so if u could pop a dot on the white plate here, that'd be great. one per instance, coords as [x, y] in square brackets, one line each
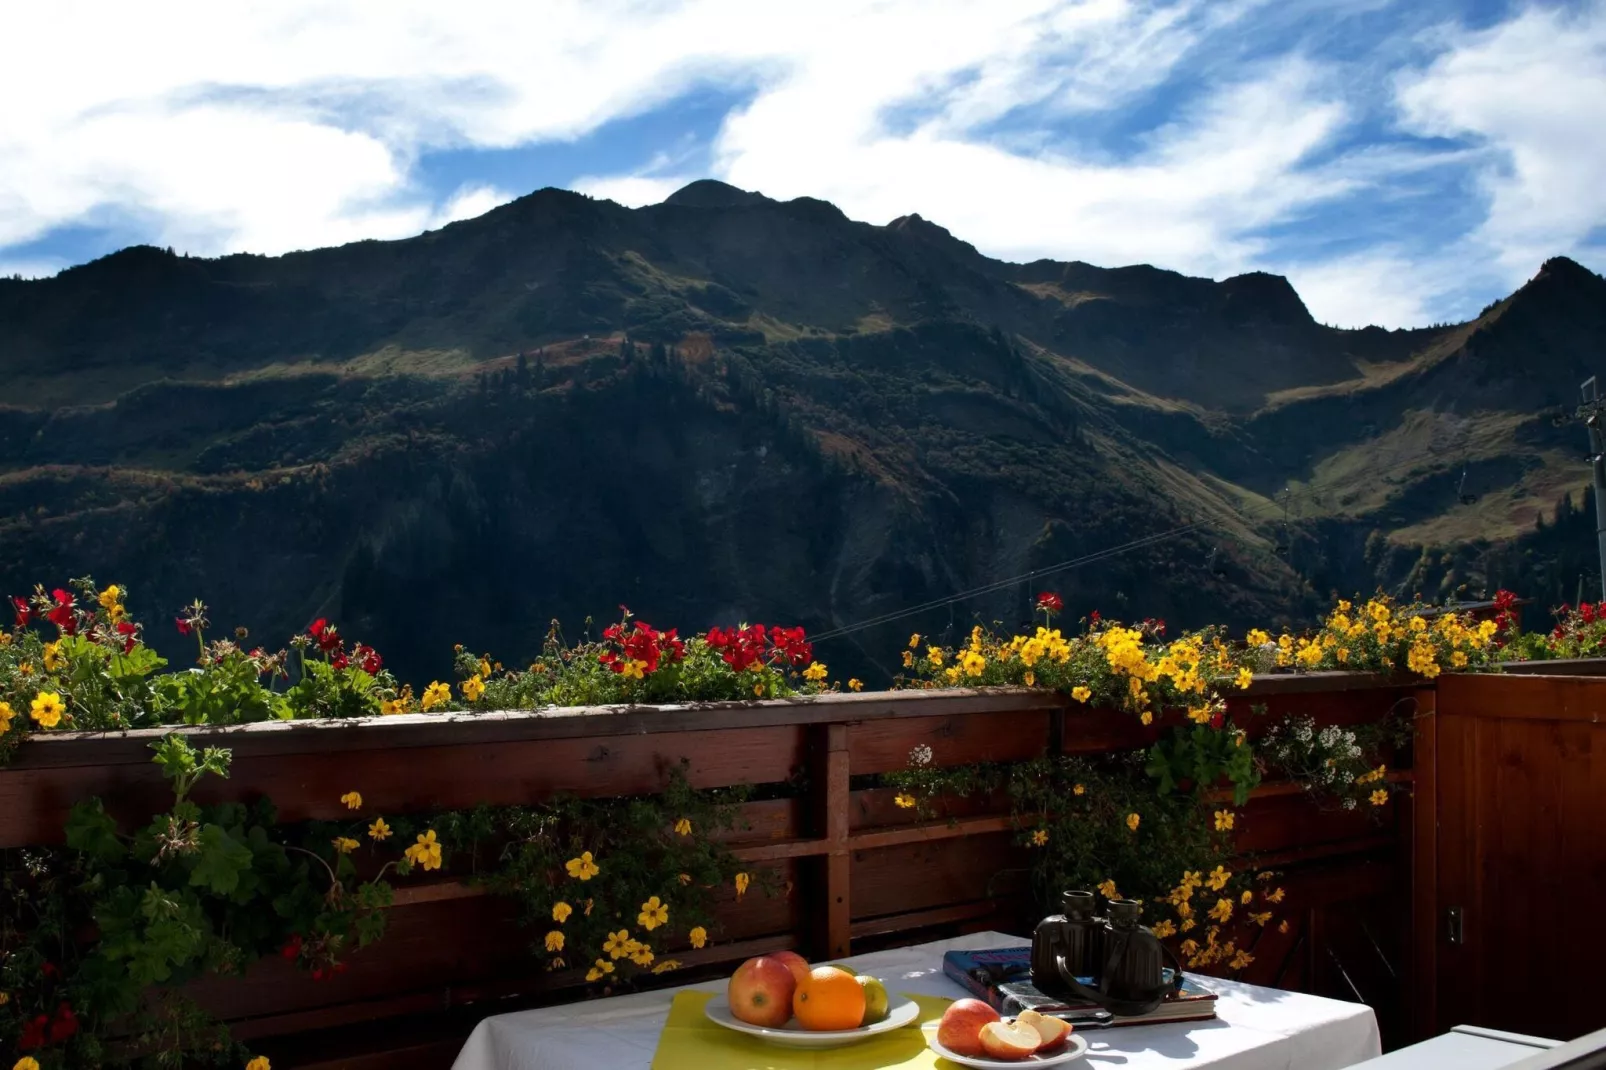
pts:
[792, 1035]
[1074, 1049]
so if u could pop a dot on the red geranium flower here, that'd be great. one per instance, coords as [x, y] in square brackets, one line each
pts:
[64, 1025]
[33, 1033]
[368, 658]
[1049, 602]
[1586, 611]
[292, 948]
[182, 625]
[128, 630]
[61, 614]
[24, 612]
[1094, 616]
[325, 635]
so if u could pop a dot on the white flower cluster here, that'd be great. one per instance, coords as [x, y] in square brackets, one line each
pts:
[920, 756]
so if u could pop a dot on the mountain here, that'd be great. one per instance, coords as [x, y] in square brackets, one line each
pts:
[726, 407]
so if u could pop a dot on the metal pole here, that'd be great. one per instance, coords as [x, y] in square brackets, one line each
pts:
[1597, 447]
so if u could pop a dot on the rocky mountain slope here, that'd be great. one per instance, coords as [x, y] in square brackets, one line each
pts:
[725, 407]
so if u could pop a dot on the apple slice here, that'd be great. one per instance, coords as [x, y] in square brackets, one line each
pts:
[1054, 1033]
[1009, 1040]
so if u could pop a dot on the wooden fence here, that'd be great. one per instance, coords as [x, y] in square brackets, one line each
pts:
[862, 872]
[1511, 860]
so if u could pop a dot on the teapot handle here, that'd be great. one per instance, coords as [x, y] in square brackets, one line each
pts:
[1126, 1007]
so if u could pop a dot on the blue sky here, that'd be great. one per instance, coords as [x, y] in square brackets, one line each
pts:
[1402, 162]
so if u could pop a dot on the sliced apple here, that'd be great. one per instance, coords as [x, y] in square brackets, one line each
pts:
[1053, 1032]
[1009, 1040]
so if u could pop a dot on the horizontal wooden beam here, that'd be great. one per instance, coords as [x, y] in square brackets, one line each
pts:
[923, 919]
[57, 749]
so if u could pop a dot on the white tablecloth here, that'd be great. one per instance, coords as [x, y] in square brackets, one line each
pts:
[1255, 1029]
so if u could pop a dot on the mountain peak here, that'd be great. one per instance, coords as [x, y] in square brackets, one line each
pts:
[1259, 295]
[712, 193]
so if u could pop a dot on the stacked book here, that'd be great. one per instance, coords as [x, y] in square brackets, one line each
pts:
[1003, 978]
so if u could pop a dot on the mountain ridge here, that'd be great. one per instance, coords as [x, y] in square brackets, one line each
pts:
[946, 419]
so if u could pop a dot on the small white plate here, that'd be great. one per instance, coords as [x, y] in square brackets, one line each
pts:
[792, 1035]
[1074, 1049]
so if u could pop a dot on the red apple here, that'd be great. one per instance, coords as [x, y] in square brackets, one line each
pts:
[760, 991]
[1052, 1031]
[1009, 1040]
[794, 962]
[961, 1025]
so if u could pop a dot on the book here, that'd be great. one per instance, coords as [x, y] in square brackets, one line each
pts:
[1003, 978]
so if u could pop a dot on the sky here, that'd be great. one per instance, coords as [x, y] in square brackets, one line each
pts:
[1403, 162]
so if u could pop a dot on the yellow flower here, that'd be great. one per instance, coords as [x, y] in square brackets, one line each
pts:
[815, 672]
[1282, 926]
[1246, 897]
[582, 868]
[391, 706]
[345, 844]
[1222, 910]
[1165, 929]
[1107, 890]
[914, 640]
[1262, 918]
[1030, 679]
[1039, 837]
[1218, 878]
[666, 965]
[1188, 924]
[973, 663]
[1146, 717]
[617, 944]
[259, 1063]
[642, 955]
[633, 670]
[1224, 820]
[352, 800]
[855, 684]
[683, 827]
[54, 658]
[1256, 637]
[653, 914]
[110, 597]
[554, 941]
[6, 714]
[1081, 693]
[485, 667]
[426, 852]
[436, 695]
[758, 690]
[1275, 897]
[1380, 796]
[1079, 789]
[47, 709]
[904, 800]
[561, 912]
[587, 910]
[698, 936]
[934, 655]
[684, 878]
[908, 659]
[1245, 678]
[597, 972]
[742, 881]
[379, 830]
[1189, 947]
[1132, 821]
[473, 688]
[25, 669]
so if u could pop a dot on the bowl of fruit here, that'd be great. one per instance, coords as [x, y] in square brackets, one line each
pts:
[973, 1034]
[782, 1000]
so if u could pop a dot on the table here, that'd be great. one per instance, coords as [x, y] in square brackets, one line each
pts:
[1255, 1029]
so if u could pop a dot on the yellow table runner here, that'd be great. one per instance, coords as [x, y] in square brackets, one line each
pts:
[691, 1042]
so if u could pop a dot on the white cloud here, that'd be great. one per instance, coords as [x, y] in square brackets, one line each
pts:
[1532, 93]
[268, 128]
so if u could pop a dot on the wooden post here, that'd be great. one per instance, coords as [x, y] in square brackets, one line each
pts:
[1423, 980]
[833, 917]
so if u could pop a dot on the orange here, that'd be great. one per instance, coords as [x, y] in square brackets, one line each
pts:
[829, 999]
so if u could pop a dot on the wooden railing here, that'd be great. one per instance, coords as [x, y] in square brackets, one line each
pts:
[861, 872]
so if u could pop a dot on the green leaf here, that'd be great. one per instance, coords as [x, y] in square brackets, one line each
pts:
[91, 830]
[220, 862]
